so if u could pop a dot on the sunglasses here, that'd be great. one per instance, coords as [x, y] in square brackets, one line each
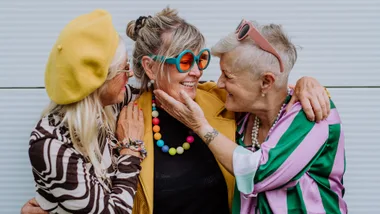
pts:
[186, 60]
[246, 28]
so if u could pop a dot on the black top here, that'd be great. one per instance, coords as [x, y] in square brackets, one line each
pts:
[188, 183]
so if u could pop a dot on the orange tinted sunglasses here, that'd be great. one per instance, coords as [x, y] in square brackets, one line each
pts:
[186, 60]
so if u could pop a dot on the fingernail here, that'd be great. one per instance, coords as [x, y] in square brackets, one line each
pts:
[135, 103]
[140, 109]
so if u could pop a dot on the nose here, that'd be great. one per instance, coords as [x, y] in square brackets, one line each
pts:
[220, 84]
[195, 71]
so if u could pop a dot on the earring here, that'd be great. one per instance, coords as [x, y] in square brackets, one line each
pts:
[150, 83]
[262, 94]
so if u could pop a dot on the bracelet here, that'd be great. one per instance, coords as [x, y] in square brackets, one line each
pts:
[133, 145]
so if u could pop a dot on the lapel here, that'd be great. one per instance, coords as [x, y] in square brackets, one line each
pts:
[146, 175]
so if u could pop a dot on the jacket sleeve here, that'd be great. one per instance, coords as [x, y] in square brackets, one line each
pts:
[65, 184]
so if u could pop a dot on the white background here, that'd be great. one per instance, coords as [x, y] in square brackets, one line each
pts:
[340, 43]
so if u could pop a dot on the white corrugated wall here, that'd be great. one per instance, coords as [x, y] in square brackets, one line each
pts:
[340, 42]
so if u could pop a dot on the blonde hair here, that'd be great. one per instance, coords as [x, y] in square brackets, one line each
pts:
[255, 59]
[87, 120]
[165, 34]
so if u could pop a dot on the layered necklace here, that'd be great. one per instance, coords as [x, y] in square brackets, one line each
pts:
[256, 125]
[158, 137]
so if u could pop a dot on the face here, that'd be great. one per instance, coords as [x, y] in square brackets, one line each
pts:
[115, 87]
[187, 82]
[242, 88]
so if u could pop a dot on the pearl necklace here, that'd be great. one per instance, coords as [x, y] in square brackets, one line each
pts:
[256, 125]
[158, 137]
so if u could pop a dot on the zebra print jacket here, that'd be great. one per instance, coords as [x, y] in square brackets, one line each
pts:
[65, 179]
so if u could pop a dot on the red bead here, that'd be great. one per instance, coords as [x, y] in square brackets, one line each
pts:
[190, 139]
[153, 101]
[155, 121]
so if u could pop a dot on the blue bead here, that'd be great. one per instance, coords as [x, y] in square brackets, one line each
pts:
[153, 108]
[165, 148]
[160, 143]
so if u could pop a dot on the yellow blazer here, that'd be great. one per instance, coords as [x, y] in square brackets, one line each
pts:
[211, 100]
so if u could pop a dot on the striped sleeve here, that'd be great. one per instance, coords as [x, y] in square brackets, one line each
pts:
[64, 183]
[287, 154]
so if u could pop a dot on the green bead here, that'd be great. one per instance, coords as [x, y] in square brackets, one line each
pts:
[172, 151]
[186, 146]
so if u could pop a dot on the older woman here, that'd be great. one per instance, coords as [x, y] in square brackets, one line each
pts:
[79, 165]
[283, 163]
[180, 174]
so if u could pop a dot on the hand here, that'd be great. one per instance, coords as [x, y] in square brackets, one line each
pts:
[32, 207]
[130, 125]
[190, 114]
[313, 97]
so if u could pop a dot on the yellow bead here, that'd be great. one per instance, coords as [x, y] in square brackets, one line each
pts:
[157, 136]
[186, 146]
[172, 151]
[156, 128]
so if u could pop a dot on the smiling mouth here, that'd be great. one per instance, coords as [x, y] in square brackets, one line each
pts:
[188, 84]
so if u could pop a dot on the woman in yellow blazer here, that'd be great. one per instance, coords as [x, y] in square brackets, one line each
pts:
[178, 176]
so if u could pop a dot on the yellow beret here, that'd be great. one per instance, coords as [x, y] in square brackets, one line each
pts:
[79, 61]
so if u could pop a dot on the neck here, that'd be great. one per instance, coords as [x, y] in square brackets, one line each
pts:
[269, 107]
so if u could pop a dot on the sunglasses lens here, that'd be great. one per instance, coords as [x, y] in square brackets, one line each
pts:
[243, 31]
[204, 59]
[186, 62]
[238, 27]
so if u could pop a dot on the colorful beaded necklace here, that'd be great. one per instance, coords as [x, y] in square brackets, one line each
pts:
[158, 137]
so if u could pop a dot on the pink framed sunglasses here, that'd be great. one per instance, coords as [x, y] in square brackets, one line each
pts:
[245, 28]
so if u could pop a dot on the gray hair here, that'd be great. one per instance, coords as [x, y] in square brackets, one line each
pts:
[165, 34]
[255, 59]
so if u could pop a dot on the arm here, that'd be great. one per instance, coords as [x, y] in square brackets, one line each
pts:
[65, 183]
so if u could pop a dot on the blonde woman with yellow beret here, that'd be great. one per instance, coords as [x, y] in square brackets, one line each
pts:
[79, 164]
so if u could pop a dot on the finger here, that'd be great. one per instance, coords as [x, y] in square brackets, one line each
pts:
[306, 106]
[129, 111]
[327, 102]
[135, 113]
[141, 115]
[123, 113]
[322, 103]
[317, 109]
[188, 101]
[34, 202]
[167, 100]
[293, 100]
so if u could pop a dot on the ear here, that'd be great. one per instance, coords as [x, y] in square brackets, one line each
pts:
[267, 82]
[147, 63]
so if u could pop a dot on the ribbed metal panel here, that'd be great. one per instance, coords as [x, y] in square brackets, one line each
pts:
[341, 47]
[19, 112]
[340, 38]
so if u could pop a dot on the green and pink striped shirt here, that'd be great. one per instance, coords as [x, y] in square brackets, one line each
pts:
[299, 168]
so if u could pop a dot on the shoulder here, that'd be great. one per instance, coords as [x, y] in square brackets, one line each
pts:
[211, 88]
[50, 128]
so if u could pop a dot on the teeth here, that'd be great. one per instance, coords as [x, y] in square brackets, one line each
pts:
[188, 84]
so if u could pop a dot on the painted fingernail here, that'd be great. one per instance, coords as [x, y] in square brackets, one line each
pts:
[135, 103]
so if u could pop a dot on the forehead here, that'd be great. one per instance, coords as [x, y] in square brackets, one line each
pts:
[228, 59]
